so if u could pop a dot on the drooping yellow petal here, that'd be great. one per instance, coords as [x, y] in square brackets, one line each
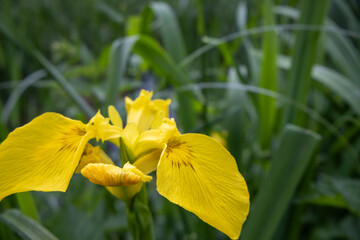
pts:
[41, 155]
[146, 113]
[108, 175]
[93, 154]
[199, 174]
[115, 117]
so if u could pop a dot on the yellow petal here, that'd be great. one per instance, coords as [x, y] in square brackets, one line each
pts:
[129, 136]
[41, 155]
[115, 117]
[199, 174]
[162, 112]
[112, 176]
[146, 113]
[148, 162]
[93, 154]
[155, 138]
[100, 128]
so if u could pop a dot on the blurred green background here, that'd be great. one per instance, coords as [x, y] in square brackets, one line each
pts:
[278, 81]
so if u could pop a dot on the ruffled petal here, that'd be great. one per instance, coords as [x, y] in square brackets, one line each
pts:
[100, 128]
[41, 155]
[199, 174]
[108, 175]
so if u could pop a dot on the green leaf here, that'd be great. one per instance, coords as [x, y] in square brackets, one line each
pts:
[339, 84]
[18, 91]
[119, 55]
[241, 15]
[24, 226]
[268, 78]
[238, 122]
[110, 12]
[54, 72]
[306, 45]
[170, 30]
[289, 163]
[27, 205]
[336, 192]
[140, 221]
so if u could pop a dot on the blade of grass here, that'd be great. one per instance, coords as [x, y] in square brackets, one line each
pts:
[170, 30]
[24, 226]
[259, 30]
[296, 149]
[3, 129]
[235, 125]
[54, 72]
[312, 13]
[268, 79]
[339, 84]
[280, 98]
[119, 54]
[27, 205]
[18, 91]
[339, 47]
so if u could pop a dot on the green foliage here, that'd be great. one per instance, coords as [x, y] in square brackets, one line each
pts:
[290, 161]
[24, 226]
[239, 69]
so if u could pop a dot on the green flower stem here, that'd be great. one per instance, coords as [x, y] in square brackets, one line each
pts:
[139, 217]
[138, 214]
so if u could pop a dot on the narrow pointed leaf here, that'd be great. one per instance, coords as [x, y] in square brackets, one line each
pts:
[25, 227]
[268, 78]
[170, 30]
[296, 148]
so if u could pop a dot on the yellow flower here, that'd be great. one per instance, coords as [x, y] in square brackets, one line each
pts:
[193, 170]
[43, 154]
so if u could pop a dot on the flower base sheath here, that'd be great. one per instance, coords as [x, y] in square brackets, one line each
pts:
[193, 171]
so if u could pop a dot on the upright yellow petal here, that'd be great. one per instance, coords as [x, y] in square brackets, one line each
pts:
[41, 155]
[199, 174]
[162, 112]
[115, 117]
[145, 113]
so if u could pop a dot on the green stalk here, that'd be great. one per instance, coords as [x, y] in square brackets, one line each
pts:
[139, 217]
[138, 214]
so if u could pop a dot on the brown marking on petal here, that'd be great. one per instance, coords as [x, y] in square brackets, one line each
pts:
[181, 153]
[71, 138]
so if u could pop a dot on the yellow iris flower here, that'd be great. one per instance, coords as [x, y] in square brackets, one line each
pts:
[193, 170]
